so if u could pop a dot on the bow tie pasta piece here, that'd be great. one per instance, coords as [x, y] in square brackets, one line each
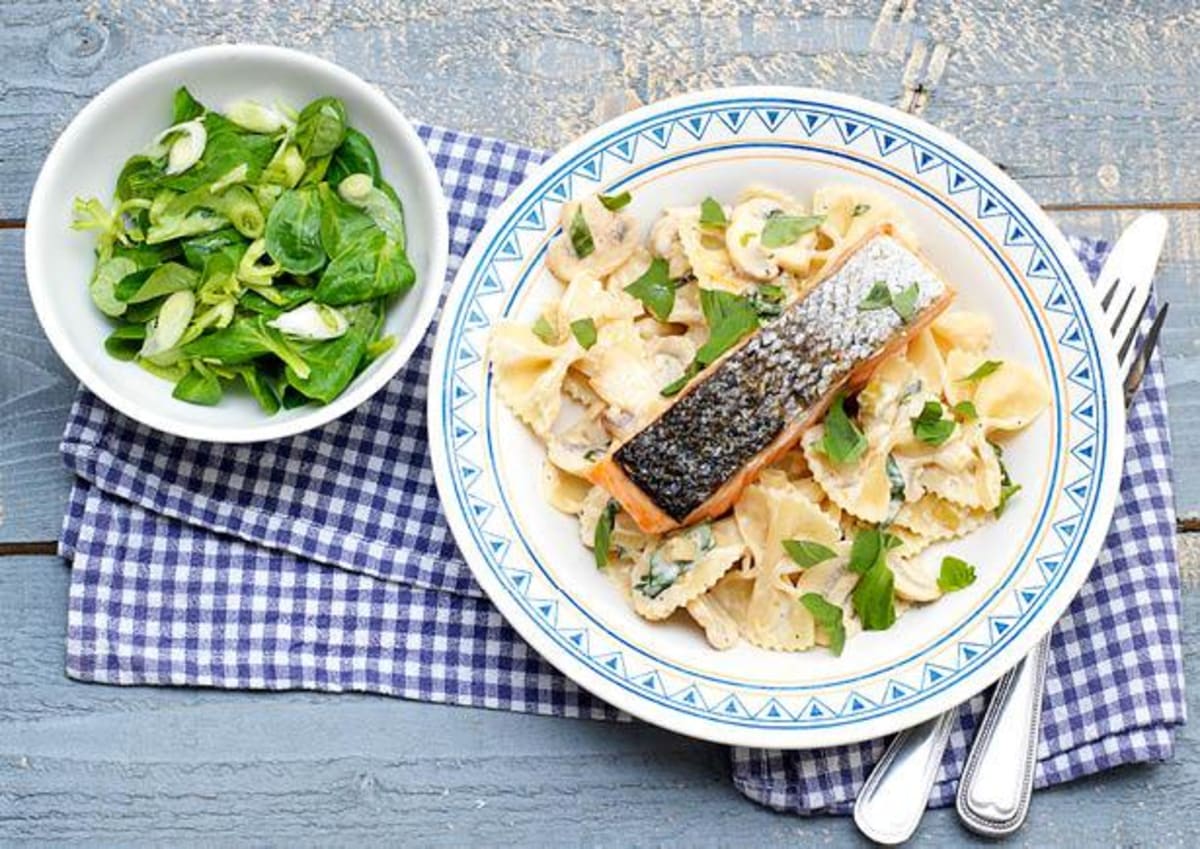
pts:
[720, 626]
[861, 488]
[966, 331]
[1007, 399]
[665, 241]
[933, 518]
[708, 257]
[964, 470]
[577, 448]
[928, 361]
[563, 491]
[530, 373]
[587, 297]
[684, 566]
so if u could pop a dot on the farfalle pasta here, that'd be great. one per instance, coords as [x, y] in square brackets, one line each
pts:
[830, 537]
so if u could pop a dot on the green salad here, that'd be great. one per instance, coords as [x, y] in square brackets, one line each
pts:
[254, 248]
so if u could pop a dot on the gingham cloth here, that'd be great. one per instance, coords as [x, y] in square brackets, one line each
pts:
[323, 562]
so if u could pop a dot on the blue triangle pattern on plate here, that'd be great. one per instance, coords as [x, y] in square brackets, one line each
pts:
[547, 609]
[816, 709]
[934, 673]
[810, 122]
[1065, 528]
[476, 317]
[895, 691]
[1082, 374]
[695, 125]
[463, 432]
[480, 508]
[1072, 337]
[856, 703]
[1039, 266]
[888, 143]
[651, 682]
[660, 135]
[732, 706]
[1085, 451]
[968, 651]
[989, 207]
[534, 219]
[771, 118]
[1014, 234]
[613, 662]
[1085, 411]
[924, 160]
[560, 190]
[1000, 625]
[1049, 565]
[590, 168]
[509, 249]
[466, 354]
[498, 545]
[579, 639]
[490, 285]
[690, 696]
[1027, 596]
[624, 149]
[460, 393]
[733, 119]
[1057, 301]
[468, 471]
[956, 181]
[519, 578]
[773, 710]
[850, 131]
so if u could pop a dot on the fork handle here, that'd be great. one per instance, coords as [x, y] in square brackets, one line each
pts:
[997, 781]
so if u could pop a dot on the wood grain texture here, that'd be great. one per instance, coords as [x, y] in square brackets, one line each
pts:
[1080, 102]
[147, 766]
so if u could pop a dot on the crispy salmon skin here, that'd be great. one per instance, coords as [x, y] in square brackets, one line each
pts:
[749, 407]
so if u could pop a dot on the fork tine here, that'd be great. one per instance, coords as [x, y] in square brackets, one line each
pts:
[1108, 296]
[1138, 370]
[1121, 313]
[1122, 363]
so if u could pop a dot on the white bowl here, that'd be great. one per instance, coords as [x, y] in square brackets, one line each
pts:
[119, 122]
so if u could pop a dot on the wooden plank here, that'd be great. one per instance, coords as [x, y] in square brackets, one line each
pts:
[35, 395]
[1081, 103]
[147, 766]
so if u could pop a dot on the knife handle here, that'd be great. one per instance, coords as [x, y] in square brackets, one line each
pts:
[997, 781]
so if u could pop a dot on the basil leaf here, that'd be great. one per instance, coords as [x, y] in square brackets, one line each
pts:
[584, 331]
[965, 410]
[870, 547]
[654, 289]
[783, 230]
[879, 298]
[767, 300]
[874, 598]
[930, 427]
[1007, 488]
[829, 617]
[730, 318]
[544, 331]
[602, 538]
[986, 368]
[712, 214]
[895, 480]
[904, 302]
[842, 442]
[955, 575]
[661, 575]
[676, 386]
[806, 553]
[860, 209]
[581, 236]
[615, 202]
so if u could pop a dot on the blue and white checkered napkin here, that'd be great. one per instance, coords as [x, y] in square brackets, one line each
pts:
[323, 562]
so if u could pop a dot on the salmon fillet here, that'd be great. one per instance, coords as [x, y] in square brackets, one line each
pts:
[748, 408]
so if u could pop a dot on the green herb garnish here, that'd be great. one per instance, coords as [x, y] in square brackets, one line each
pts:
[767, 300]
[870, 547]
[860, 209]
[895, 480]
[543, 330]
[1007, 488]
[655, 290]
[955, 575]
[930, 427]
[730, 318]
[986, 368]
[874, 598]
[676, 386]
[602, 537]
[712, 214]
[613, 203]
[806, 553]
[879, 298]
[782, 230]
[829, 617]
[965, 410]
[581, 235]
[842, 441]
[904, 302]
[584, 331]
[661, 575]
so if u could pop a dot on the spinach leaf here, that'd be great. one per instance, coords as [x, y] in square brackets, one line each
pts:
[260, 388]
[372, 266]
[294, 231]
[198, 249]
[287, 296]
[654, 289]
[103, 287]
[321, 127]
[198, 386]
[125, 342]
[355, 155]
[333, 364]
[139, 178]
[167, 278]
[147, 257]
[245, 340]
[227, 147]
[874, 598]
[184, 107]
[382, 207]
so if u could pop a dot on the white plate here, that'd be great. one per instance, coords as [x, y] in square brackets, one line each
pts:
[121, 121]
[983, 232]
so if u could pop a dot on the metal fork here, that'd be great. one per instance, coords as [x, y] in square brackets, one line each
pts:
[892, 801]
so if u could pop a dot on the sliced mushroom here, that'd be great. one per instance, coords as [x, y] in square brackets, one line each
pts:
[614, 237]
[665, 242]
[914, 579]
[743, 238]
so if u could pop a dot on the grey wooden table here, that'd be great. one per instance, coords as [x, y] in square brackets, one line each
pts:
[1092, 109]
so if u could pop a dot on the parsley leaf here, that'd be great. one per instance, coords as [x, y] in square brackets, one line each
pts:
[712, 214]
[806, 553]
[581, 235]
[730, 317]
[654, 289]
[767, 300]
[829, 617]
[676, 385]
[584, 330]
[782, 230]
[602, 538]
[965, 410]
[879, 298]
[904, 302]
[615, 202]
[955, 575]
[543, 330]
[986, 368]
[930, 427]
[874, 598]
[842, 442]
[860, 209]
